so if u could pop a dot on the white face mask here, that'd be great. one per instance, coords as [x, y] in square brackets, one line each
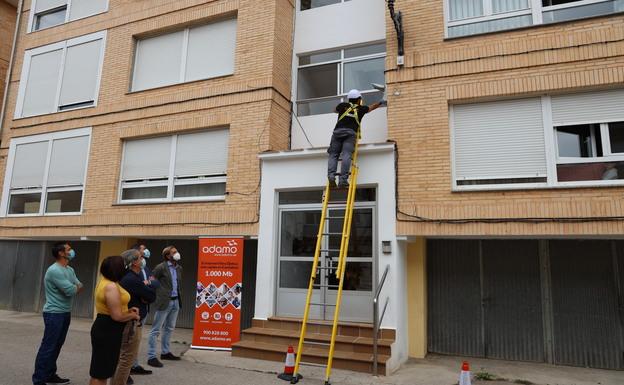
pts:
[177, 256]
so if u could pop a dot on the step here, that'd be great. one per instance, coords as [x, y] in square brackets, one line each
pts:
[360, 362]
[291, 337]
[350, 329]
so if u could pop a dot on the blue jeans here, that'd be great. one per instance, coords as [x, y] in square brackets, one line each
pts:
[56, 326]
[167, 319]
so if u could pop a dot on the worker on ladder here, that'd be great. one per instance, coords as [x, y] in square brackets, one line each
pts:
[343, 138]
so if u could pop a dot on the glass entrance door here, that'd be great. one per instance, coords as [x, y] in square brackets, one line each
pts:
[298, 229]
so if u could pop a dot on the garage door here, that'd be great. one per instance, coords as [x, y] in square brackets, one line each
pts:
[528, 300]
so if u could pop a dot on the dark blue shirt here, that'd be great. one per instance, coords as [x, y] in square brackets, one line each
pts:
[140, 294]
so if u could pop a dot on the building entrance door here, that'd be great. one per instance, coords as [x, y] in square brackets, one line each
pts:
[298, 229]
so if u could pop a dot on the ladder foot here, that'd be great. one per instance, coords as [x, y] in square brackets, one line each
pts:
[327, 383]
[294, 379]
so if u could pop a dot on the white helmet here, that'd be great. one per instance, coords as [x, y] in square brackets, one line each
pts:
[354, 94]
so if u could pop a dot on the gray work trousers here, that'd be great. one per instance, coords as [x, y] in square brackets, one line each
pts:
[342, 145]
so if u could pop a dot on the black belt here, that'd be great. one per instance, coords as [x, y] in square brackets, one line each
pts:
[172, 298]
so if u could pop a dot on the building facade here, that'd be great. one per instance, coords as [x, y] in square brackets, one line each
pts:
[488, 188]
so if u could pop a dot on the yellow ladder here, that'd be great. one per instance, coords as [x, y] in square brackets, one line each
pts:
[340, 268]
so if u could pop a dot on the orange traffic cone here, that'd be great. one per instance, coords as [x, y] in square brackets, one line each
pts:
[289, 366]
[464, 376]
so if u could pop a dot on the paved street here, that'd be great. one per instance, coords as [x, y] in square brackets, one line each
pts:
[20, 334]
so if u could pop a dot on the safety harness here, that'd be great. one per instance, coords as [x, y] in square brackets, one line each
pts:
[351, 112]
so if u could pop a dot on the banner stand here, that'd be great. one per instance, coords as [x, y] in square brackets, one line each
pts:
[218, 293]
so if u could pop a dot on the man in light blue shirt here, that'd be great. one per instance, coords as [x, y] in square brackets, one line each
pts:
[61, 286]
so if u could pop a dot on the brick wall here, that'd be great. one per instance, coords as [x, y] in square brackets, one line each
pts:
[566, 57]
[7, 28]
[253, 103]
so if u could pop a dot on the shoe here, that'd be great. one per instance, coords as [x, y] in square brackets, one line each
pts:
[332, 182]
[139, 370]
[343, 184]
[56, 380]
[130, 381]
[169, 356]
[155, 363]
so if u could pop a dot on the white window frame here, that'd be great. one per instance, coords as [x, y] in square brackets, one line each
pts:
[552, 158]
[535, 9]
[340, 92]
[50, 138]
[33, 15]
[184, 57]
[62, 45]
[170, 182]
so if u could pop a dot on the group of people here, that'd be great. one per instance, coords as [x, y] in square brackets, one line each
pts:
[123, 296]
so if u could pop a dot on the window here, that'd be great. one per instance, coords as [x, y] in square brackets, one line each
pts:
[196, 53]
[309, 4]
[324, 78]
[470, 17]
[173, 168]
[48, 13]
[61, 76]
[560, 140]
[46, 173]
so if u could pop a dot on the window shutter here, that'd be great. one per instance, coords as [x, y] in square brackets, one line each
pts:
[211, 50]
[44, 5]
[42, 83]
[146, 158]
[68, 162]
[29, 165]
[499, 140]
[203, 153]
[84, 8]
[590, 107]
[82, 63]
[158, 61]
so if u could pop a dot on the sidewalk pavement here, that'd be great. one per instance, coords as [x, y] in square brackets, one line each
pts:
[20, 334]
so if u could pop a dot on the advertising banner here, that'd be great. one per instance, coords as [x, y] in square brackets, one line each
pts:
[219, 293]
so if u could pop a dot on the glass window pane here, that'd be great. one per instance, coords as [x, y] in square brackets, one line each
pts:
[616, 134]
[309, 4]
[365, 50]
[490, 26]
[361, 74]
[589, 10]
[211, 50]
[319, 58]
[158, 61]
[50, 18]
[298, 233]
[501, 6]
[64, 202]
[574, 141]
[199, 190]
[361, 243]
[317, 107]
[318, 81]
[300, 197]
[358, 276]
[464, 9]
[295, 274]
[590, 171]
[25, 203]
[157, 192]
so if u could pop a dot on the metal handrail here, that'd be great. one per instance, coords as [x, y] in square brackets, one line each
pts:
[376, 319]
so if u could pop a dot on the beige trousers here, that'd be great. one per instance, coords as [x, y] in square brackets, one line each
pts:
[130, 342]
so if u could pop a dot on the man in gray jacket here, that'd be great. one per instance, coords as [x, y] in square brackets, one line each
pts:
[167, 304]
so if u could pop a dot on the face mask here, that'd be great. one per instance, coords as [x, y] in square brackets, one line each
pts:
[143, 263]
[177, 256]
[71, 255]
[146, 253]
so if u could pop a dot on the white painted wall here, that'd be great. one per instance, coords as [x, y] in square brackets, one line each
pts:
[306, 169]
[338, 25]
[319, 129]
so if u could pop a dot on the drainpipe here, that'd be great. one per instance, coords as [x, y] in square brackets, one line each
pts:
[5, 98]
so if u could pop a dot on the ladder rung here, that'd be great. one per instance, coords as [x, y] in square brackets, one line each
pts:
[331, 234]
[321, 304]
[325, 267]
[337, 202]
[311, 364]
[316, 343]
[334, 217]
[329, 250]
[326, 286]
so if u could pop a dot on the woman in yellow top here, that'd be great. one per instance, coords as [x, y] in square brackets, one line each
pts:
[111, 304]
